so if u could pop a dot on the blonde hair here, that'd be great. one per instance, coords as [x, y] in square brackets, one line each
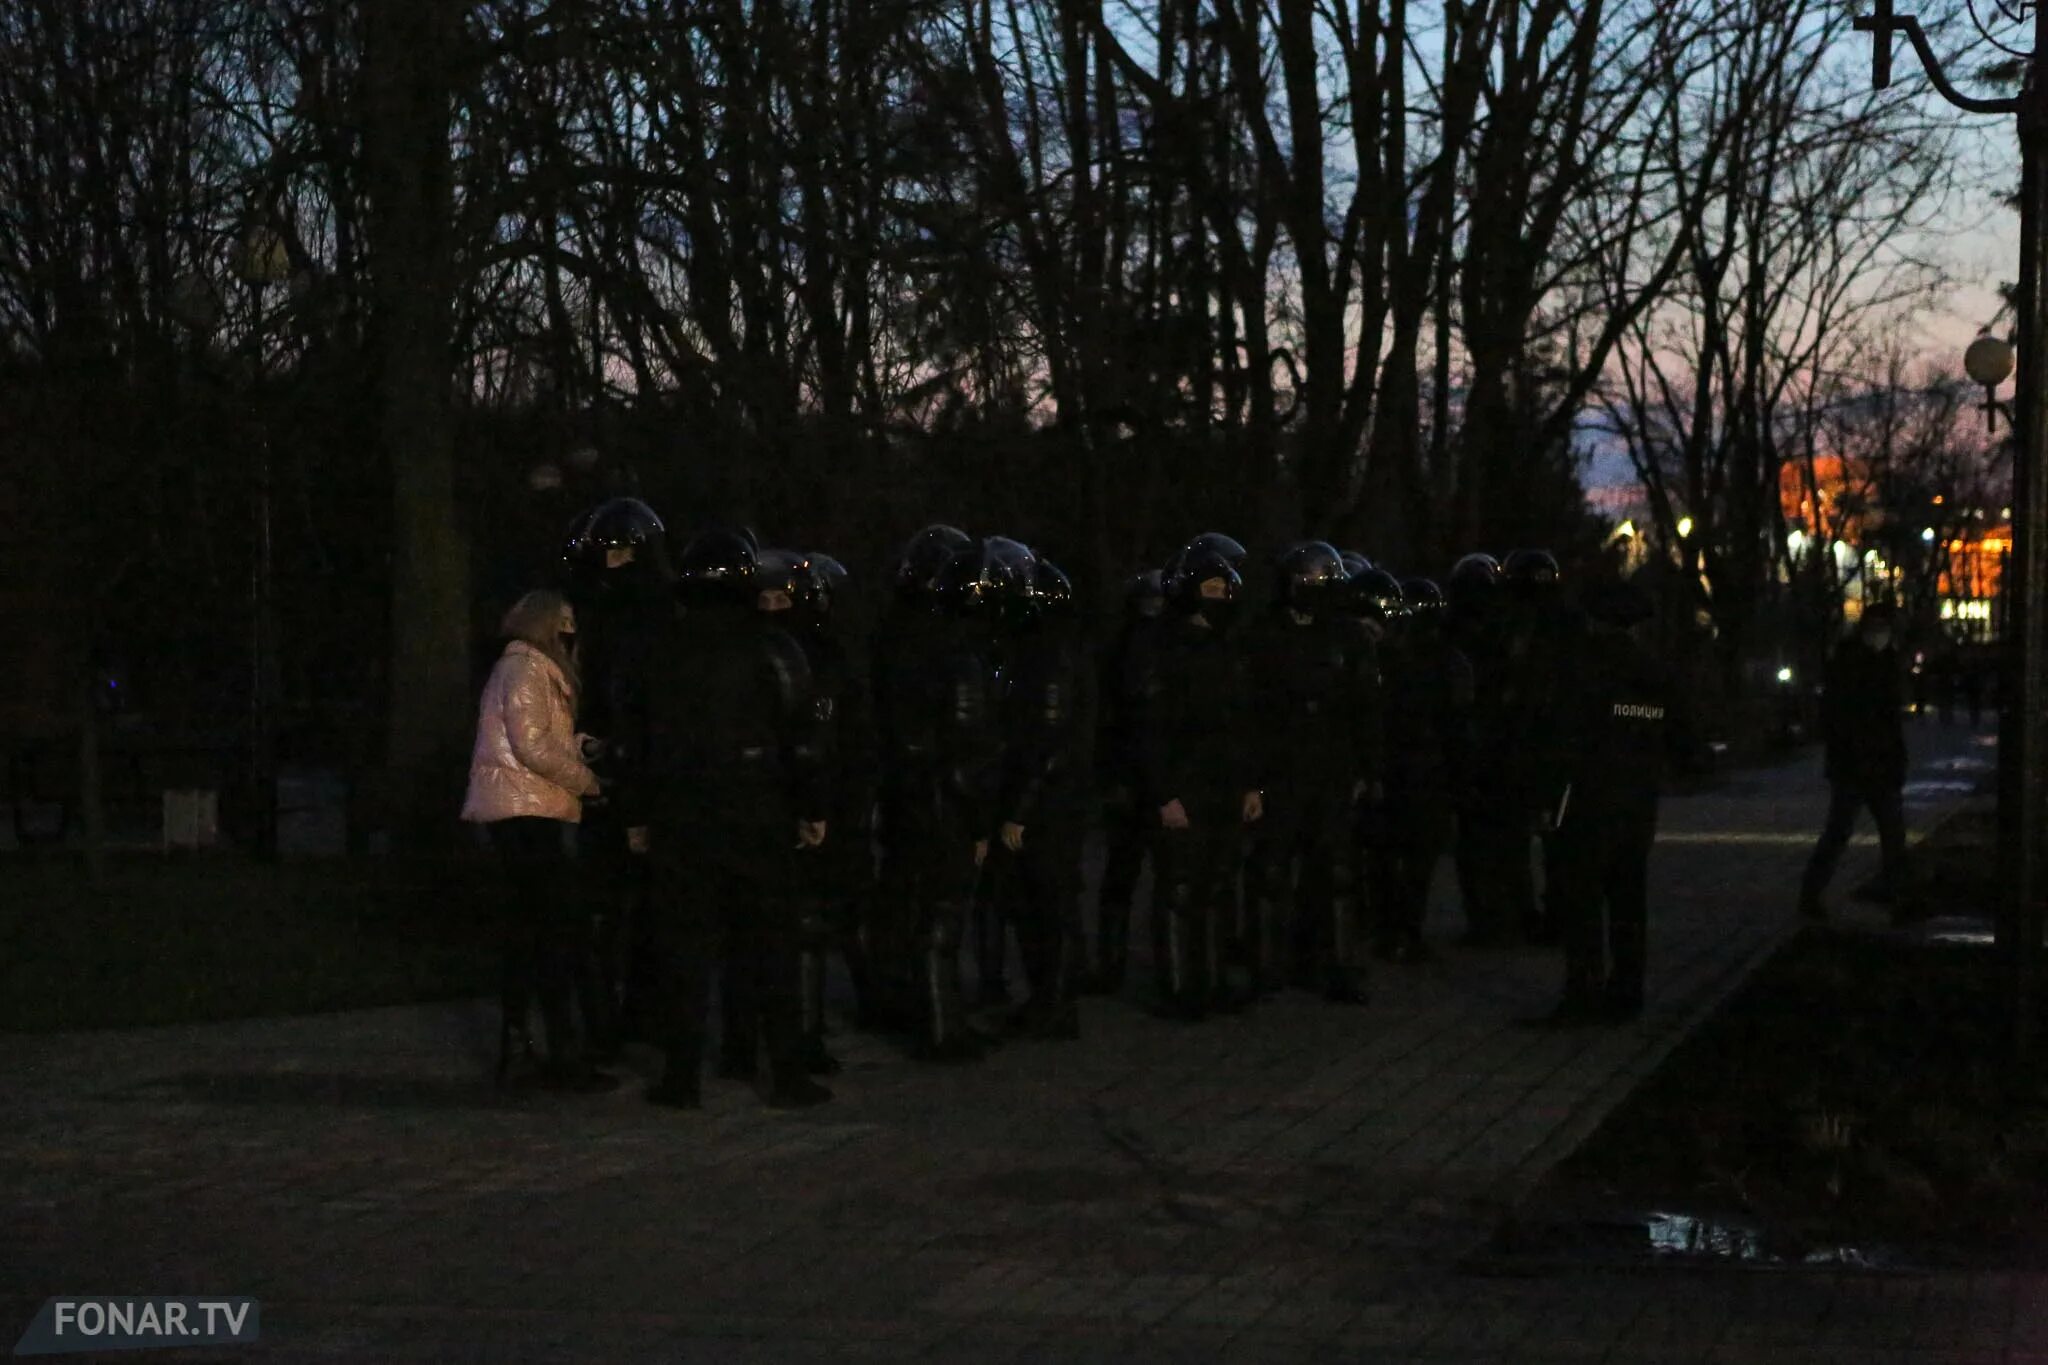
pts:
[535, 619]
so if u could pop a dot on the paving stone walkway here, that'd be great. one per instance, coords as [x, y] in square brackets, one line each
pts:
[1299, 1183]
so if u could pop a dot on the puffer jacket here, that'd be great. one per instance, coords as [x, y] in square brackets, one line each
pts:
[526, 760]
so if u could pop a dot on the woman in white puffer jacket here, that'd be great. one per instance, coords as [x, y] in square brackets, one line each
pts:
[527, 781]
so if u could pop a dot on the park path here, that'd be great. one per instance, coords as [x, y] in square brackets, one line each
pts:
[1301, 1182]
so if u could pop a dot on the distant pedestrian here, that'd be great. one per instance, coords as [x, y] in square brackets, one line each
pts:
[1862, 725]
[527, 781]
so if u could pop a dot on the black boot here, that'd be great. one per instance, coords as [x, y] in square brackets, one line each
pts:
[1112, 951]
[518, 1063]
[947, 1037]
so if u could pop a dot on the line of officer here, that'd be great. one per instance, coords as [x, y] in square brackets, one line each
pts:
[1355, 698]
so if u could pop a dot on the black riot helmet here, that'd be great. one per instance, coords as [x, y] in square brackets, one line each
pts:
[1208, 584]
[925, 556]
[1052, 592]
[1474, 582]
[717, 567]
[1013, 579]
[1354, 563]
[1221, 545]
[1531, 569]
[619, 539]
[828, 582]
[1309, 577]
[982, 582]
[1145, 594]
[1474, 571]
[782, 580]
[1424, 598]
[1377, 596]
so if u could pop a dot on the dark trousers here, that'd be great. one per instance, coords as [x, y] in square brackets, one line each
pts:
[1494, 880]
[1404, 860]
[615, 986]
[927, 882]
[1040, 890]
[1600, 864]
[710, 910]
[1308, 874]
[1193, 894]
[1844, 800]
[545, 928]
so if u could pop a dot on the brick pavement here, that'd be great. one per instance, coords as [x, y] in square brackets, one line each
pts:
[1300, 1183]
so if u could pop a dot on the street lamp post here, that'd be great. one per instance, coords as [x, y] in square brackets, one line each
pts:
[2023, 736]
[260, 262]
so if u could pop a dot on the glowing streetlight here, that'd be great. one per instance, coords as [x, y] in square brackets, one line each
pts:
[1684, 527]
[1989, 361]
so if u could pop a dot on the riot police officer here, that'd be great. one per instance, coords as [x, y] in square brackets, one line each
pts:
[727, 785]
[1494, 819]
[1429, 693]
[1015, 570]
[1188, 694]
[888, 930]
[1124, 823]
[1047, 711]
[1539, 633]
[1613, 722]
[1316, 696]
[934, 700]
[618, 580]
[797, 591]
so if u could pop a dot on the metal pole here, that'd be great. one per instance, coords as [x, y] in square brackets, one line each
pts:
[2023, 722]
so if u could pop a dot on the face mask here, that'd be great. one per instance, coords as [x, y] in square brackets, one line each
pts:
[1879, 640]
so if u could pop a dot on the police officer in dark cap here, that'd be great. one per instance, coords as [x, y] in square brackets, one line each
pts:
[1614, 721]
[1125, 826]
[727, 783]
[1189, 695]
[1047, 710]
[1429, 694]
[940, 746]
[1316, 698]
[619, 581]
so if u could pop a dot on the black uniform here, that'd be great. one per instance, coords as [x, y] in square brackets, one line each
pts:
[1047, 718]
[1428, 710]
[939, 747]
[1494, 815]
[724, 727]
[1616, 721]
[1317, 703]
[619, 614]
[838, 876]
[1189, 696]
[1126, 823]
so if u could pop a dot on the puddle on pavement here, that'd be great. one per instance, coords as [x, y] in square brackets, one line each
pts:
[1964, 933]
[1677, 1239]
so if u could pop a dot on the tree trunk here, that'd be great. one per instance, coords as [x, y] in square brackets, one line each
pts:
[409, 47]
